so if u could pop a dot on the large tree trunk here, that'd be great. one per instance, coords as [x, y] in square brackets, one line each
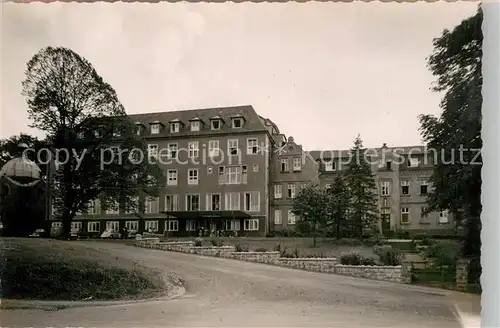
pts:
[66, 224]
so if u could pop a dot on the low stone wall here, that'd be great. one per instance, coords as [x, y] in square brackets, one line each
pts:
[326, 265]
[401, 274]
[260, 257]
[222, 251]
[386, 273]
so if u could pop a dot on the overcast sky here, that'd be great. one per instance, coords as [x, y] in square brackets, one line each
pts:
[323, 72]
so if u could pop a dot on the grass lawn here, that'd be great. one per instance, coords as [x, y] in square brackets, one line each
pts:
[47, 269]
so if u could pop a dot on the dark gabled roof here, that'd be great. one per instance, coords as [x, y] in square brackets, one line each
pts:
[253, 122]
[329, 154]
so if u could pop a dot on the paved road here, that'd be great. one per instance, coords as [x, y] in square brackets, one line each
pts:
[228, 293]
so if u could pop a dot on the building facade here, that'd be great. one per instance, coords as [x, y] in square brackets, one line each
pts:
[229, 169]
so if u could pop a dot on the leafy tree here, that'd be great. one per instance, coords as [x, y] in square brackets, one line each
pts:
[360, 183]
[309, 205]
[456, 63]
[337, 205]
[82, 114]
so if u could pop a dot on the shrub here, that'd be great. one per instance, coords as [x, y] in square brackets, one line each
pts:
[351, 258]
[368, 261]
[217, 243]
[198, 242]
[380, 249]
[390, 256]
[425, 242]
[442, 252]
[239, 248]
[261, 250]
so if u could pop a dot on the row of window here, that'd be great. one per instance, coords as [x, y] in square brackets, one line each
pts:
[278, 217]
[153, 225]
[195, 125]
[214, 150]
[406, 216]
[228, 175]
[385, 187]
[296, 164]
[213, 202]
[291, 190]
[411, 162]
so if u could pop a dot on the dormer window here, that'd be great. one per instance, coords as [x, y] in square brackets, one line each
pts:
[155, 128]
[215, 124]
[175, 127]
[195, 126]
[237, 122]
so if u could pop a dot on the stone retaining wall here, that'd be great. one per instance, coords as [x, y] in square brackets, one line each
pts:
[260, 257]
[326, 265]
[401, 274]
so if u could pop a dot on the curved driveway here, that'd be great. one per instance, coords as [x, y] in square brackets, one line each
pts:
[229, 293]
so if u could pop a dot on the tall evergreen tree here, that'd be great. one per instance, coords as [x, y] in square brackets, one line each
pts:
[456, 62]
[337, 205]
[360, 182]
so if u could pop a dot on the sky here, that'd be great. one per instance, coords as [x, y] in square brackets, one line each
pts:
[323, 72]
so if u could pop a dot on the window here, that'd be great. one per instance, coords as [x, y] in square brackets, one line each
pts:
[213, 148]
[291, 190]
[210, 170]
[422, 211]
[330, 166]
[443, 216]
[385, 188]
[232, 147]
[277, 217]
[138, 131]
[233, 225]
[255, 167]
[174, 127]
[152, 151]
[413, 162]
[232, 202]
[405, 215]
[171, 203]
[171, 225]
[132, 225]
[237, 123]
[297, 165]
[193, 149]
[232, 175]
[173, 150]
[190, 225]
[113, 225]
[213, 202]
[192, 176]
[76, 226]
[151, 226]
[328, 186]
[388, 165]
[113, 208]
[215, 124]
[252, 201]
[251, 224]
[405, 187]
[384, 202]
[278, 191]
[155, 128]
[151, 205]
[172, 177]
[423, 187]
[92, 207]
[192, 202]
[284, 165]
[252, 146]
[381, 163]
[195, 126]
[94, 226]
[57, 224]
[291, 217]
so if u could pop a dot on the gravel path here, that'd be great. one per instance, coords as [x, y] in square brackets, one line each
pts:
[229, 293]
